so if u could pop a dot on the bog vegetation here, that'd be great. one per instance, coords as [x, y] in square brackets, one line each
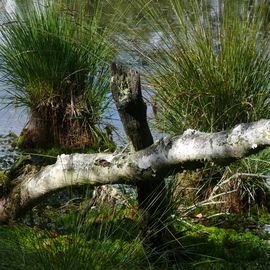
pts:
[207, 69]
[54, 62]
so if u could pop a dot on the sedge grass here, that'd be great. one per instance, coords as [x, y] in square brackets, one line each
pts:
[209, 71]
[54, 61]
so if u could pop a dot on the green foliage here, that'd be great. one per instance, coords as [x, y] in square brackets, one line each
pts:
[54, 61]
[103, 232]
[3, 178]
[227, 249]
[105, 245]
[252, 188]
[209, 71]
[50, 52]
[74, 238]
[25, 248]
[4, 183]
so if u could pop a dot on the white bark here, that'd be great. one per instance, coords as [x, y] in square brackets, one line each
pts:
[189, 150]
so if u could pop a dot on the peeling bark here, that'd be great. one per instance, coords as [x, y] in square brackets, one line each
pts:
[187, 151]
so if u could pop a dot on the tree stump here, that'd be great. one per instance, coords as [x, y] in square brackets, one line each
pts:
[152, 198]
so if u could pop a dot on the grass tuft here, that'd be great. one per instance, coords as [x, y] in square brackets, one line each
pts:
[209, 66]
[54, 61]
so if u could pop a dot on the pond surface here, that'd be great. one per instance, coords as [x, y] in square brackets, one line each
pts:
[12, 120]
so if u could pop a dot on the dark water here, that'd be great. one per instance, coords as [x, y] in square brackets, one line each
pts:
[8, 153]
[12, 122]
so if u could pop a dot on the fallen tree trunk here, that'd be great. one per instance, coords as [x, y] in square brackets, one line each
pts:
[187, 151]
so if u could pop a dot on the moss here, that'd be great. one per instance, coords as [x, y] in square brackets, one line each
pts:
[40, 249]
[4, 183]
[226, 247]
[21, 139]
[41, 156]
[110, 241]
[3, 178]
[19, 167]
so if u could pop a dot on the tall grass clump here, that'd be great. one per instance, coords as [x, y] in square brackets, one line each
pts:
[54, 62]
[210, 68]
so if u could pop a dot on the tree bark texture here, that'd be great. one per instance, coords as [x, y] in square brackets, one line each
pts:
[127, 94]
[187, 151]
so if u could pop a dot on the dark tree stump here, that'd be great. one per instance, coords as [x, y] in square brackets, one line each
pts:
[127, 94]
